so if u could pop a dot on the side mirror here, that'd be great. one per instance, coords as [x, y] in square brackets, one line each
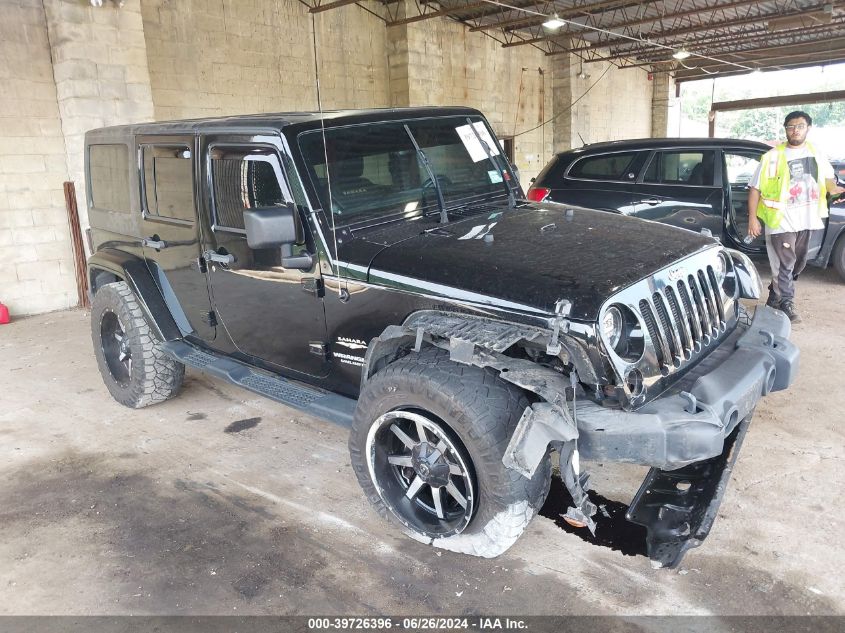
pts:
[277, 227]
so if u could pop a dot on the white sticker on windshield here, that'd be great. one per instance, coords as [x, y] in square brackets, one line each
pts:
[470, 139]
[494, 175]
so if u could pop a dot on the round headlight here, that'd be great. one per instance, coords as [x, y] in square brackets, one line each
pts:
[611, 326]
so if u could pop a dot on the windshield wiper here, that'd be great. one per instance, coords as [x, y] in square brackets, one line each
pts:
[505, 178]
[444, 217]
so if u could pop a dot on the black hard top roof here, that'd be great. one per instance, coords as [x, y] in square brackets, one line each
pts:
[652, 143]
[279, 120]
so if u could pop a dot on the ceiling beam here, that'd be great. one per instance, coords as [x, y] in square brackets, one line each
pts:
[770, 62]
[693, 46]
[758, 34]
[692, 75]
[586, 9]
[436, 14]
[765, 102]
[331, 5]
[749, 57]
[815, 46]
[686, 13]
[709, 26]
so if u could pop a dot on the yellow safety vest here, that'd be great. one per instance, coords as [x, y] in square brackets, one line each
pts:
[774, 186]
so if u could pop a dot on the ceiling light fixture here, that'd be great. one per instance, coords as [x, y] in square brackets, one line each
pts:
[681, 54]
[553, 23]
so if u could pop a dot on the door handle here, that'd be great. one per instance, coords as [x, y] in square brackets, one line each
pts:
[154, 242]
[651, 201]
[211, 256]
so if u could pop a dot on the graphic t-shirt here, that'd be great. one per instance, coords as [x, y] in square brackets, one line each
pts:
[802, 203]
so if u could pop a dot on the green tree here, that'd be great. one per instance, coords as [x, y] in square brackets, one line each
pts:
[763, 124]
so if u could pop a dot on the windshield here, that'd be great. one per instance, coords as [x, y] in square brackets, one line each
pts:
[376, 173]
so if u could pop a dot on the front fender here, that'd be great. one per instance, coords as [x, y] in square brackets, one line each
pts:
[747, 277]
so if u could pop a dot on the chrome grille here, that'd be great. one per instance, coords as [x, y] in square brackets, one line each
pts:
[683, 317]
[675, 316]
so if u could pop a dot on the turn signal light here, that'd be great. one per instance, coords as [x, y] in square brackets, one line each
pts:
[538, 194]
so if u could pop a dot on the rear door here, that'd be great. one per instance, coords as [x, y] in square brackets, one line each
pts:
[170, 231]
[270, 313]
[602, 181]
[681, 187]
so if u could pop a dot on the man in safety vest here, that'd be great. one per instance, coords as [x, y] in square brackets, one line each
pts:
[788, 194]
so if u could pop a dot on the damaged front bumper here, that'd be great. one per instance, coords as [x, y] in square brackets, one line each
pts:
[690, 436]
[691, 425]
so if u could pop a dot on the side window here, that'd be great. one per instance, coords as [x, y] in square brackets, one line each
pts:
[168, 182]
[244, 178]
[741, 168]
[605, 167]
[681, 167]
[108, 169]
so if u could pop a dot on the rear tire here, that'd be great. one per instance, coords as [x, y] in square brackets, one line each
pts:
[427, 427]
[838, 256]
[135, 370]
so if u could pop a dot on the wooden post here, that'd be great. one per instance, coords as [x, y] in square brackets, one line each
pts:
[78, 245]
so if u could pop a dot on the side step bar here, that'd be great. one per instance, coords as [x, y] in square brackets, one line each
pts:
[678, 507]
[329, 406]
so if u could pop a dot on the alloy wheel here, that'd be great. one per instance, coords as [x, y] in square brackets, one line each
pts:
[116, 348]
[421, 472]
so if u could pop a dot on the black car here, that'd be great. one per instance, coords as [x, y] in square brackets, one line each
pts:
[693, 183]
[381, 269]
[839, 169]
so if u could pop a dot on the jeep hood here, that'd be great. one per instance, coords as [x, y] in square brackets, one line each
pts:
[527, 258]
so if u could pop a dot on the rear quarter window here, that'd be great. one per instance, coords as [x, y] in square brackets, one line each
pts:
[108, 171]
[168, 182]
[604, 167]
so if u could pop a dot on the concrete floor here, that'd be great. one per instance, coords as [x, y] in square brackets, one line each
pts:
[221, 502]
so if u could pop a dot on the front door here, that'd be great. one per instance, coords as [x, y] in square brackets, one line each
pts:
[740, 166]
[270, 313]
[681, 187]
[170, 235]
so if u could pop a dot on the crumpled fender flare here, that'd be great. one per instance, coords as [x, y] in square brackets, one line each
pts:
[133, 270]
[477, 341]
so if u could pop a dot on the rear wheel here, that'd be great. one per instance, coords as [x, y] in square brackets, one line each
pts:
[135, 370]
[427, 446]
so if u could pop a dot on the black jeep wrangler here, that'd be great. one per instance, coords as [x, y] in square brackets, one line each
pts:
[382, 269]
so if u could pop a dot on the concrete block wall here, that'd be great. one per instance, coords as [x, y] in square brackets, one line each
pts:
[100, 69]
[617, 106]
[562, 86]
[36, 260]
[449, 65]
[217, 57]
[663, 91]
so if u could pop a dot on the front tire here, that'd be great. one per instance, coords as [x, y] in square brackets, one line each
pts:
[427, 444]
[135, 370]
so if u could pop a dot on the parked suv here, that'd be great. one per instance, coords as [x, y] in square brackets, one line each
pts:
[382, 269]
[693, 183]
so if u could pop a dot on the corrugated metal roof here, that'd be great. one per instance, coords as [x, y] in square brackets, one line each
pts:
[723, 37]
